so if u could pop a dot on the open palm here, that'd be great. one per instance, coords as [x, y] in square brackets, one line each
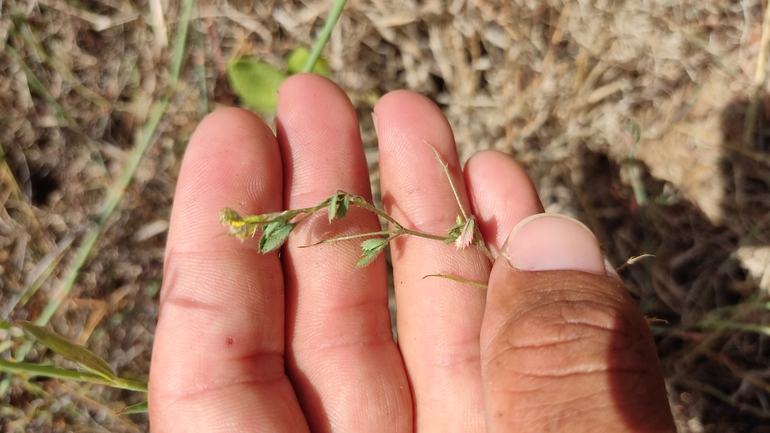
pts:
[302, 340]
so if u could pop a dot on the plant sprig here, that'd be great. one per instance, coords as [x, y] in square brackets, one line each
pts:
[274, 228]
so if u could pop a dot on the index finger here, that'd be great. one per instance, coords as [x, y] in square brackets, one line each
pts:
[218, 356]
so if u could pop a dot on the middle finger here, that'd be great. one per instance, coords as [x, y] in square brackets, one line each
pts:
[438, 320]
[341, 357]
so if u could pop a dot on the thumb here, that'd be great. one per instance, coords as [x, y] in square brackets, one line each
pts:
[563, 347]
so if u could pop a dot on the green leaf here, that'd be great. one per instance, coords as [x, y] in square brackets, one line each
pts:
[371, 248]
[366, 258]
[273, 235]
[30, 369]
[338, 205]
[342, 210]
[4, 324]
[71, 351]
[136, 408]
[373, 245]
[255, 82]
[297, 59]
[333, 206]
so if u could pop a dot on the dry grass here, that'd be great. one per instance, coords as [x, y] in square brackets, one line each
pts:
[562, 85]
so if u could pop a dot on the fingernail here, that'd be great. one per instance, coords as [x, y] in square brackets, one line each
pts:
[374, 120]
[550, 242]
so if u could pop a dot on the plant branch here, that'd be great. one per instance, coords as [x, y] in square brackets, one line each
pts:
[274, 228]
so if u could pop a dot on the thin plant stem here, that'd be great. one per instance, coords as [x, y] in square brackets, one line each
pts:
[483, 247]
[347, 238]
[398, 227]
[360, 202]
[309, 211]
[445, 167]
[458, 279]
[423, 235]
[323, 38]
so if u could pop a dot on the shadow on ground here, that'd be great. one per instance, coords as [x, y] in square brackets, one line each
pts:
[713, 344]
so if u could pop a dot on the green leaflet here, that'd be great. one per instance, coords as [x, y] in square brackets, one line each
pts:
[255, 82]
[338, 205]
[371, 248]
[297, 60]
[342, 210]
[273, 235]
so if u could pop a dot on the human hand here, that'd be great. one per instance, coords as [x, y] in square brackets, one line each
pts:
[302, 341]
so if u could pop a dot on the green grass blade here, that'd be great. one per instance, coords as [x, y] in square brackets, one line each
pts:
[136, 408]
[200, 67]
[131, 385]
[323, 38]
[70, 351]
[29, 369]
[32, 370]
[180, 43]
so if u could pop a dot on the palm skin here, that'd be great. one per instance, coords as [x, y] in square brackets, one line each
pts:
[301, 341]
